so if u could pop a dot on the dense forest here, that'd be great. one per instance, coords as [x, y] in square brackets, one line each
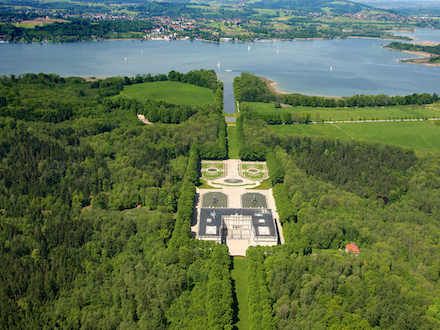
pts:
[330, 193]
[96, 208]
[89, 234]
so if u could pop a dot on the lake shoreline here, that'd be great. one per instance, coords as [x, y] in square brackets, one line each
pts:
[419, 61]
[272, 85]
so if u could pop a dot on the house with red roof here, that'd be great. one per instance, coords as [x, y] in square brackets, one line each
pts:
[352, 248]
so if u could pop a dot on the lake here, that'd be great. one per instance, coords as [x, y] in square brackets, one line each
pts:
[339, 67]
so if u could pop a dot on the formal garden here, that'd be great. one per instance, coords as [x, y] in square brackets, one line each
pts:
[213, 170]
[253, 171]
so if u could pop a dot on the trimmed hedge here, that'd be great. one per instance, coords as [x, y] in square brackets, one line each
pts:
[285, 208]
[259, 300]
[246, 152]
[220, 300]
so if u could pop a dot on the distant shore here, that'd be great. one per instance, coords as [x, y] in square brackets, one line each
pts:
[426, 55]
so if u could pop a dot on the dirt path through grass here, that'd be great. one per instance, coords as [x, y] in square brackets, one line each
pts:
[342, 130]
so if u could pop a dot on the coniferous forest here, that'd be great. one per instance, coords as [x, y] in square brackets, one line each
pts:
[96, 208]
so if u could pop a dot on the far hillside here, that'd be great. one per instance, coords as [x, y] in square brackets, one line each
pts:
[171, 92]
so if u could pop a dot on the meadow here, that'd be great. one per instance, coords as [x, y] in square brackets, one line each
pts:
[239, 276]
[421, 135]
[349, 114]
[171, 92]
[30, 24]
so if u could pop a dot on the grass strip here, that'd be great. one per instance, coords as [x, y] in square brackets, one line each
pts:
[239, 277]
[232, 143]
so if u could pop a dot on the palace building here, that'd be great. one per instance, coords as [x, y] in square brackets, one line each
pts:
[222, 224]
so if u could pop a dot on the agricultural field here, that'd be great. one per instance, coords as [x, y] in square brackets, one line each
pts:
[171, 92]
[418, 135]
[327, 130]
[349, 114]
[30, 24]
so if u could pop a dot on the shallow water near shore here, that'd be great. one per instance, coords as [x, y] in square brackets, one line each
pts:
[338, 67]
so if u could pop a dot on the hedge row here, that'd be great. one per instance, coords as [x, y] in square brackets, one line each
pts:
[220, 300]
[359, 100]
[285, 208]
[259, 301]
[185, 210]
[185, 206]
[245, 151]
[193, 167]
[219, 98]
[276, 172]
[220, 151]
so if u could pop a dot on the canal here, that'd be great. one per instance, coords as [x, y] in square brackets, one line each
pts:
[228, 97]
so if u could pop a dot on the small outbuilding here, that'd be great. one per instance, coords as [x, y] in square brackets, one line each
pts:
[352, 248]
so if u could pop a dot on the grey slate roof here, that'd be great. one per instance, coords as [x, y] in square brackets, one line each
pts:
[262, 220]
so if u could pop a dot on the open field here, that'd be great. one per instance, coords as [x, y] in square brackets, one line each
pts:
[328, 114]
[239, 277]
[418, 135]
[171, 92]
[30, 24]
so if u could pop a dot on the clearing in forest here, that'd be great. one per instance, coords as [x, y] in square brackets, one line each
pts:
[170, 92]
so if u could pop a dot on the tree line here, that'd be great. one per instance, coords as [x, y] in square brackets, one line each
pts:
[76, 30]
[246, 151]
[359, 101]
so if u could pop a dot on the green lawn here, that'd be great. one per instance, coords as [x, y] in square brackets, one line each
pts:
[318, 114]
[232, 143]
[171, 92]
[204, 185]
[418, 135]
[327, 130]
[266, 184]
[239, 276]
